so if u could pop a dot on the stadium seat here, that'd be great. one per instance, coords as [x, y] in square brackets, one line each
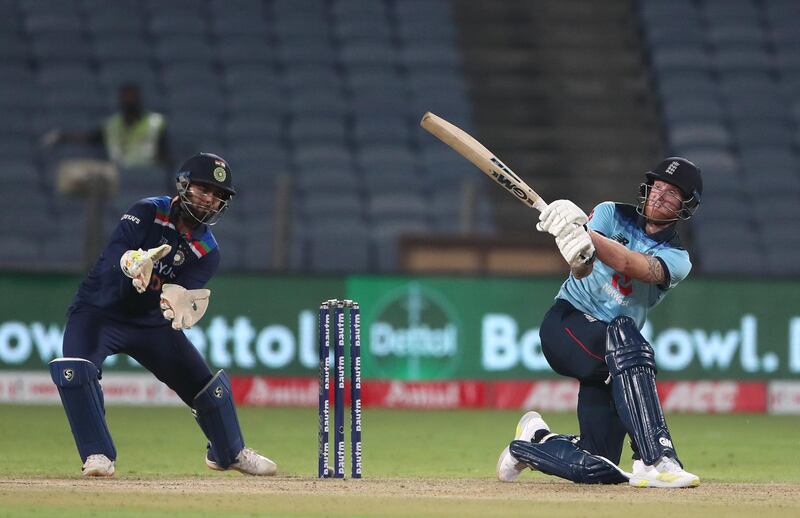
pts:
[280, 87]
[115, 23]
[338, 248]
[252, 128]
[318, 102]
[386, 236]
[254, 49]
[317, 129]
[183, 49]
[164, 24]
[121, 46]
[328, 180]
[323, 155]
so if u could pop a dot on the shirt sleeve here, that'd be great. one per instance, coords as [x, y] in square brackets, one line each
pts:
[129, 234]
[197, 274]
[601, 219]
[677, 264]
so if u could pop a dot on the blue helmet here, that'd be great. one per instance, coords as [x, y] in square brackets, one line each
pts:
[206, 169]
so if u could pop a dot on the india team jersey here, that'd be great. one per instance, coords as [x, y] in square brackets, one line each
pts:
[605, 293]
[192, 261]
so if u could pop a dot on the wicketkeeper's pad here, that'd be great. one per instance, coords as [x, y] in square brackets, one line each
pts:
[82, 398]
[215, 412]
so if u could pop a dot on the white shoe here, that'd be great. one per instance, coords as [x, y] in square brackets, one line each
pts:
[667, 473]
[508, 468]
[98, 465]
[249, 462]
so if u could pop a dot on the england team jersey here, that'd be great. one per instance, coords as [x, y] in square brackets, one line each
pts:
[605, 293]
[192, 261]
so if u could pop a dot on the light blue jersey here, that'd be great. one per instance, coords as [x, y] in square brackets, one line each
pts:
[605, 293]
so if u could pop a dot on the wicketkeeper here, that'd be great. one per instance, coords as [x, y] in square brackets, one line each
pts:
[623, 260]
[143, 291]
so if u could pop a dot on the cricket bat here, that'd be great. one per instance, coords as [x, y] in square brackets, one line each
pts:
[475, 152]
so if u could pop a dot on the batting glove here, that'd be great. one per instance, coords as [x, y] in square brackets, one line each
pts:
[561, 216]
[576, 247]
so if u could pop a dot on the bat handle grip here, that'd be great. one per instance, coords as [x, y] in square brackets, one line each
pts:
[539, 205]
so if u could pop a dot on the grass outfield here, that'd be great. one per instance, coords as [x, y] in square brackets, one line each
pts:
[415, 464]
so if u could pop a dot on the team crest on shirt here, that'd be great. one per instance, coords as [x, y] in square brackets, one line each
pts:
[179, 258]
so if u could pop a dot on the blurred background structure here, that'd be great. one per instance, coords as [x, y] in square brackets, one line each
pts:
[316, 105]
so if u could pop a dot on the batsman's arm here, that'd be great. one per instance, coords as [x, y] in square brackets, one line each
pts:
[635, 265]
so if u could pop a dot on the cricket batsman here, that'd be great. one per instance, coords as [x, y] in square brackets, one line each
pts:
[143, 291]
[623, 260]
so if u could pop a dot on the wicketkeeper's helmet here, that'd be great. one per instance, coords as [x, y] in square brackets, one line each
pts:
[207, 169]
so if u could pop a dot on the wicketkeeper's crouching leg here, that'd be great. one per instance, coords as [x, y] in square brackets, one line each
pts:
[82, 398]
[215, 412]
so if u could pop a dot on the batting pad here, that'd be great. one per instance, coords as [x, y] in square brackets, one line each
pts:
[632, 365]
[216, 414]
[560, 456]
[82, 397]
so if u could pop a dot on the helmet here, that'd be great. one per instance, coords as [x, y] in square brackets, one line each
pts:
[206, 169]
[681, 173]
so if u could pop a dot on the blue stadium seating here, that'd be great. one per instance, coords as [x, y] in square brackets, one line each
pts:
[328, 93]
[725, 73]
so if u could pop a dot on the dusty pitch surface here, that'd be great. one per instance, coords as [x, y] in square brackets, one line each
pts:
[234, 495]
[538, 490]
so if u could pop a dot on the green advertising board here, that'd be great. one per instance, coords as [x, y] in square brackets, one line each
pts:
[429, 328]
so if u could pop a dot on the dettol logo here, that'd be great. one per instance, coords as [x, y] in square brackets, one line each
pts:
[414, 335]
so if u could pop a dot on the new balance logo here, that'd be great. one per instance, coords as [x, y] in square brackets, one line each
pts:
[620, 238]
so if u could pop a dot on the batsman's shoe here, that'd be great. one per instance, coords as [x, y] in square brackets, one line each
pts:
[249, 462]
[98, 466]
[667, 473]
[509, 468]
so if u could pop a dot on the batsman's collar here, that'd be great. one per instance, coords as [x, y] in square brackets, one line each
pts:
[667, 235]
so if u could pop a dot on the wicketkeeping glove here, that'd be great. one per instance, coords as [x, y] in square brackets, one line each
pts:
[184, 307]
[138, 265]
[560, 217]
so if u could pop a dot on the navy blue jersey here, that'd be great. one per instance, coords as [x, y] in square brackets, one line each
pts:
[605, 293]
[192, 261]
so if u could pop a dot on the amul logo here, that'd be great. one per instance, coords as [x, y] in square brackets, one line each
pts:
[414, 335]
